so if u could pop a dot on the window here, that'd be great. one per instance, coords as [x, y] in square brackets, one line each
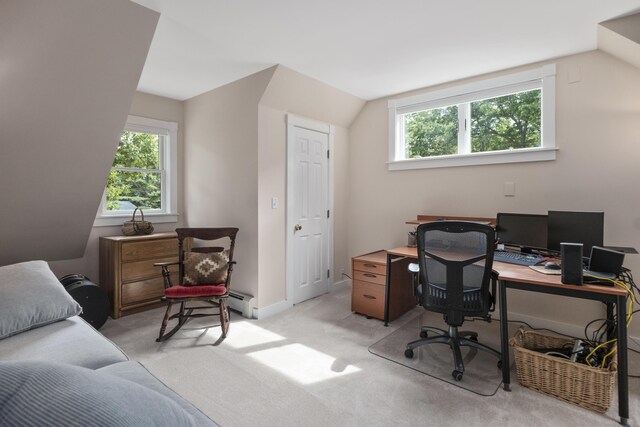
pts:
[143, 174]
[501, 120]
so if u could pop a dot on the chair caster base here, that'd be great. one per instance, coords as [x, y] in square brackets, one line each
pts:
[408, 353]
[457, 375]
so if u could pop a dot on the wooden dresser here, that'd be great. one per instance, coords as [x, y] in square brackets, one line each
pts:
[127, 273]
[369, 286]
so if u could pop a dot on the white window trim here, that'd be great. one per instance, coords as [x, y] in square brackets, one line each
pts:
[543, 77]
[169, 155]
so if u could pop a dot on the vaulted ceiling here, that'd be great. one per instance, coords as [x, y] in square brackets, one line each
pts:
[68, 73]
[368, 49]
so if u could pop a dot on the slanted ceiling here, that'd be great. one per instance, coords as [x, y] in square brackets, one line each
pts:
[621, 38]
[68, 73]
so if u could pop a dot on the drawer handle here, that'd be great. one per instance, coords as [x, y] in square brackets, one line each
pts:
[369, 275]
[371, 265]
[369, 296]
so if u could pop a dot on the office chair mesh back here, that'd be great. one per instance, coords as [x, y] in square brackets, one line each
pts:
[455, 267]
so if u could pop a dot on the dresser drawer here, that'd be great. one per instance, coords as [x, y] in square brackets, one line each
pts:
[139, 270]
[149, 249]
[368, 299]
[370, 267]
[144, 290]
[379, 279]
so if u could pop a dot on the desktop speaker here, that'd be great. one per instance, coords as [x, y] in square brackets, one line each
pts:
[571, 263]
[605, 260]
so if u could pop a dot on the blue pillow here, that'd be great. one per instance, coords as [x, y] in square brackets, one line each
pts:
[31, 296]
[58, 395]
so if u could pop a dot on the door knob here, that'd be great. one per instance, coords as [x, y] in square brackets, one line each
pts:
[297, 227]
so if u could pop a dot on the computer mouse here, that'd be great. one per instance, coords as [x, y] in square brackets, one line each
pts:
[552, 266]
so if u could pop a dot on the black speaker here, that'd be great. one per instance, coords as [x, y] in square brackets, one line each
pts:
[571, 263]
[606, 260]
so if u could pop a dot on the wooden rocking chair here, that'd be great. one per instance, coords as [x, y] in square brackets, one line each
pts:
[204, 276]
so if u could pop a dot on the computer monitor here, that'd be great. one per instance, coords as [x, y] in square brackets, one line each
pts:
[575, 227]
[525, 231]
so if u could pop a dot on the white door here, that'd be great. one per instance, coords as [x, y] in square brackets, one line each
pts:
[307, 211]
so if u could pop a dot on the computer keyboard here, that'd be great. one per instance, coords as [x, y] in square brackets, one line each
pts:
[517, 258]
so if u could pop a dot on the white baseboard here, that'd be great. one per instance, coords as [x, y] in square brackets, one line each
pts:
[340, 285]
[279, 307]
[264, 312]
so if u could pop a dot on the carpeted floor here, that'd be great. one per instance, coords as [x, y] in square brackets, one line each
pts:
[310, 366]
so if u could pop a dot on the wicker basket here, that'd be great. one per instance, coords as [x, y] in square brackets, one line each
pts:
[591, 388]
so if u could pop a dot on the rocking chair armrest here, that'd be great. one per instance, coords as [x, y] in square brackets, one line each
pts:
[165, 264]
[166, 274]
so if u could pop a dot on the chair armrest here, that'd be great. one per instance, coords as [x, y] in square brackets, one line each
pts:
[165, 264]
[166, 274]
[492, 295]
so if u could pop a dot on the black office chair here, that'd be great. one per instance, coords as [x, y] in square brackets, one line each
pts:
[455, 260]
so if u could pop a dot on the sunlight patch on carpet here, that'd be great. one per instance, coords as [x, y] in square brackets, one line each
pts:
[303, 364]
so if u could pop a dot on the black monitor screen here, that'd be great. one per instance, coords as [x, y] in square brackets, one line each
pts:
[576, 227]
[522, 230]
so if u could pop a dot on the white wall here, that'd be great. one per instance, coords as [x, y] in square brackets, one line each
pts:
[598, 135]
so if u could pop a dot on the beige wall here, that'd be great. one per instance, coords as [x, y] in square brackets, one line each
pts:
[598, 135]
[221, 168]
[235, 157]
[272, 235]
[66, 83]
[294, 93]
[144, 105]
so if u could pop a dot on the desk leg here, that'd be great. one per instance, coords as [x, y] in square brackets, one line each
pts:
[504, 337]
[610, 319]
[623, 379]
[386, 290]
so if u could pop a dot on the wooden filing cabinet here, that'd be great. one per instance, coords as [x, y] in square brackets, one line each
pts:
[369, 286]
[127, 273]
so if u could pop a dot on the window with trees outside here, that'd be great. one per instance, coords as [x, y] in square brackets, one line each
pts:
[501, 120]
[143, 174]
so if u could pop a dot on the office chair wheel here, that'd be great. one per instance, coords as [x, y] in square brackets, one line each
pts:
[424, 334]
[457, 375]
[499, 364]
[408, 353]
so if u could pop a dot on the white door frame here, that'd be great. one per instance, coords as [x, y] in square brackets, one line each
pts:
[296, 121]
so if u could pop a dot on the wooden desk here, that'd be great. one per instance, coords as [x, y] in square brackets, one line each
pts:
[420, 219]
[523, 278]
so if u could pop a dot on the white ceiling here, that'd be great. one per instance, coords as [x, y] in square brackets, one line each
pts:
[366, 48]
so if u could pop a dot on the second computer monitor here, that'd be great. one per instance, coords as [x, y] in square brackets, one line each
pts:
[525, 231]
[576, 227]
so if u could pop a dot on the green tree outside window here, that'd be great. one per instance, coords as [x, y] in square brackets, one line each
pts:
[135, 179]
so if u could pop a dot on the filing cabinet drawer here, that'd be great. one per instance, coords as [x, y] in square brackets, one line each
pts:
[368, 293]
[379, 279]
[369, 267]
[368, 299]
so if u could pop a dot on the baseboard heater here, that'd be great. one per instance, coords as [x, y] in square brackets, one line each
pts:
[241, 303]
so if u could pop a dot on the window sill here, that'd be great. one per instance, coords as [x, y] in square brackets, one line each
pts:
[111, 220]
[487, 158]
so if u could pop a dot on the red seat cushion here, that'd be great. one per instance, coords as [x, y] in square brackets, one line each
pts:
[195, 291]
